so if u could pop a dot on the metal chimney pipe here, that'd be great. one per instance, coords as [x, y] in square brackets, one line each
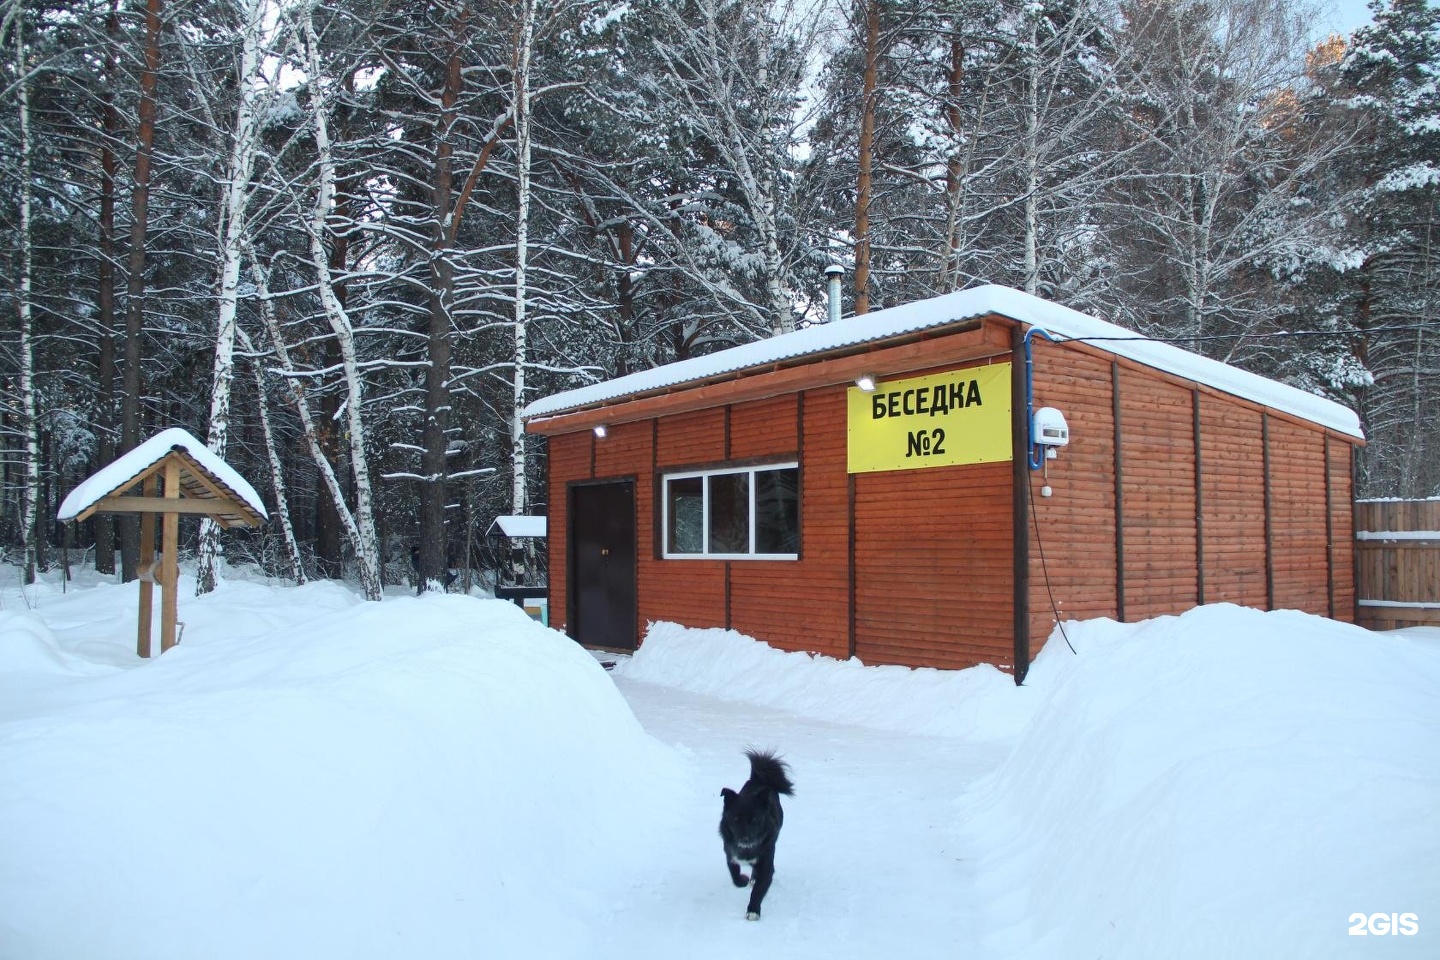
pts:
[832, 277]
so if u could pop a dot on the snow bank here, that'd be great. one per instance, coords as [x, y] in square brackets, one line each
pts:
[981, 703]
[28, 646]
[310, 775]
[306, 775]
[1224, 783]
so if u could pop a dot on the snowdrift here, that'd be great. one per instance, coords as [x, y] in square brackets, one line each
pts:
[981, 703]
[1223, 783]
[307, 775]
[1228, 782]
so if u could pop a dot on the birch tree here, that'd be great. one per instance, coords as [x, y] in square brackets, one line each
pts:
[272, 454]
[361, 526]
[1214, 189]
[244, 143]
[732, 68]
[14, 23]
[524, 42]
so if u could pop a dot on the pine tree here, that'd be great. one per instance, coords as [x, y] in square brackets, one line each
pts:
[1392, 73]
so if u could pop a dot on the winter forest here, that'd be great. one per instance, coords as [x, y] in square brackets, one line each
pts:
[344, 242]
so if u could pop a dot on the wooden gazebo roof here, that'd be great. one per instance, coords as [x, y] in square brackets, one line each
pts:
[207, 486]
[170, 474]
[201, 492]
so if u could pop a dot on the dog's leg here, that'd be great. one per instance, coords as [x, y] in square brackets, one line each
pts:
[764, 873]
[738, 878]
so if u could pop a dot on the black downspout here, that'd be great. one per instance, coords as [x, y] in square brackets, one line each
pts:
[850, 561]
[1199, 501]
[1269, 519]
[1119, 495]
[1020, 503]
[729, 621]
[1329, 534]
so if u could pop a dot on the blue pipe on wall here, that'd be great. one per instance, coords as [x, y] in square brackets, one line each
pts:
[1035, 462]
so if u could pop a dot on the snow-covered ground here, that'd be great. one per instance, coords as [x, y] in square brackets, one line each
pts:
[309, 775]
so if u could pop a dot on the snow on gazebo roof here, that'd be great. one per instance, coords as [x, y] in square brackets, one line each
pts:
[1061, 322]
[128, 469]
[518, 526]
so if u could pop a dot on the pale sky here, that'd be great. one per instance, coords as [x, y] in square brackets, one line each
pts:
[1346, 15]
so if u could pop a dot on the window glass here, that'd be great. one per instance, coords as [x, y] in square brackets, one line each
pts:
[729, 513]
[740, 512]
[686, 520]
[777, 511]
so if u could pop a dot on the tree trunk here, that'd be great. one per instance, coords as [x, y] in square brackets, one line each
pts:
[30, 456]
[436, 437]
[243, 146]
[272, 455]
[308, 426]
[367, 559]
[105, 363]
[863, 183]
[330, 529]
[519, 500]
[954, 168]
[135, 288]
[1032, 162]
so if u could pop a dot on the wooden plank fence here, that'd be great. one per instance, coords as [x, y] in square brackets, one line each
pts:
[1397, 563]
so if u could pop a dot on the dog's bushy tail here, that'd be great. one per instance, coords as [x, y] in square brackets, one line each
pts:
[770, 771]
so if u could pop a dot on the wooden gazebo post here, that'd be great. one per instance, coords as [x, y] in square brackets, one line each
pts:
[169, 554]
[147, 568]
[195, 482]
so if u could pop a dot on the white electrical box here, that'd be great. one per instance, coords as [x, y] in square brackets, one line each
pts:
[1049, 428]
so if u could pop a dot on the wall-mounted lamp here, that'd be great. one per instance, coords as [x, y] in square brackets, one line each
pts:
[866, 382]
[600, 430]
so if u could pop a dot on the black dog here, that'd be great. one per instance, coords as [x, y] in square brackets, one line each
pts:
[750, 824]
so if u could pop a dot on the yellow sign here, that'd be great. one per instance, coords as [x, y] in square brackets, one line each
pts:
[962, 416]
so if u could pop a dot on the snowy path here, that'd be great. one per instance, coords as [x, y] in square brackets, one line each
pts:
[843, 887]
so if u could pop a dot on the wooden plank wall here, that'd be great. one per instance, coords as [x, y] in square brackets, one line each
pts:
[1157, 458]
[1299, 550]
[1188, 523]
[933, 581]
[799, 604]
[929, 552]
[932, 548]
[691, 592]
[1399, 570]
[1232, 477]
[1077, 521]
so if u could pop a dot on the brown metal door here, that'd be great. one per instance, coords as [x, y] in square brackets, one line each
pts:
[602, 552]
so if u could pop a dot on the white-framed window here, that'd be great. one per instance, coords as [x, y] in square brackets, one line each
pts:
[732, 513]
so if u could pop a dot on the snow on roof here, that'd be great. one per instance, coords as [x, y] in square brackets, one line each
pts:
[1061, 322]
[131, 465]
[519, 526]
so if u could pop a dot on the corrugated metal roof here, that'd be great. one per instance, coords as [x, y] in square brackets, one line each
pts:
[1061, 322]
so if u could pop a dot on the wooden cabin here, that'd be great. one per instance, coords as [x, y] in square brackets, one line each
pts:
[937, 484]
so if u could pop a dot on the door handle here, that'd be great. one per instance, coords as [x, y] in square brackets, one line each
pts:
[604, 551]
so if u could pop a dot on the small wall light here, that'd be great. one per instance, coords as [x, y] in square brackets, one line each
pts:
[866, 382]
[600, 430]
